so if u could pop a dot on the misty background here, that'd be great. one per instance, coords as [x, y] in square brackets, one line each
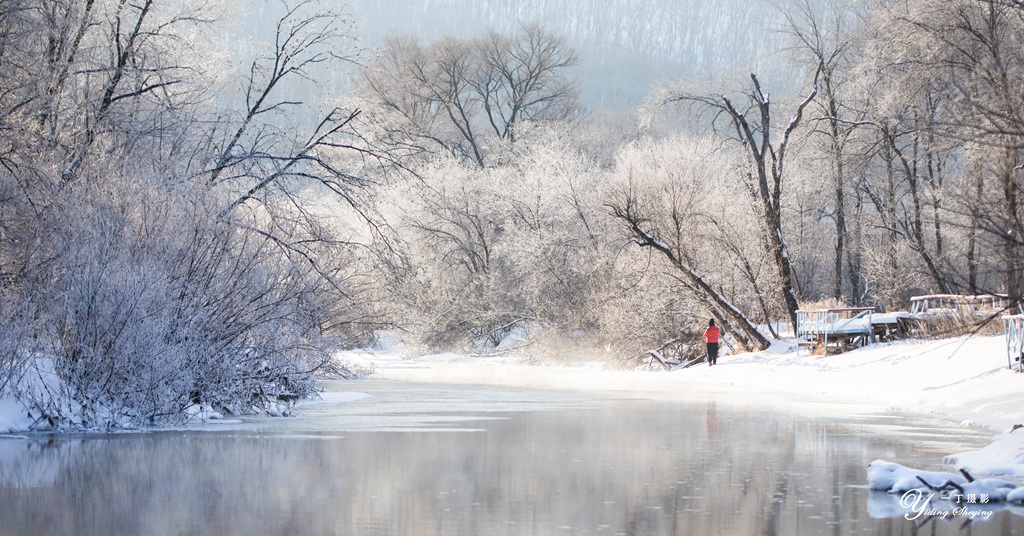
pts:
[626, 46]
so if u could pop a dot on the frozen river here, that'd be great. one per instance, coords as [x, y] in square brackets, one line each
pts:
[427, 459]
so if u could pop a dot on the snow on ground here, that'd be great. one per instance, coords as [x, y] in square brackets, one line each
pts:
[12, 417]
[964, 378]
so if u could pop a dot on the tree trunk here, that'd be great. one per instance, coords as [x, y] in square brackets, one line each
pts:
[1011, 210]
[853, 253]
[973, 231]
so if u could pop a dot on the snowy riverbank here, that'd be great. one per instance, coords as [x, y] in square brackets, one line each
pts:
[966, 379]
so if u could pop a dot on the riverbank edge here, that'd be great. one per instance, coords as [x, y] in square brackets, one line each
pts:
[965, 381]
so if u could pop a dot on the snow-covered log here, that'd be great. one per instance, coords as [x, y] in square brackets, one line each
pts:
[957, 488]
[896, 478]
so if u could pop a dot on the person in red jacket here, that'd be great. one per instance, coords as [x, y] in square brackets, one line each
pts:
[711, 337]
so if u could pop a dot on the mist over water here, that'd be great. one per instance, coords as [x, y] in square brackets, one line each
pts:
[429, 459]
[625, 46]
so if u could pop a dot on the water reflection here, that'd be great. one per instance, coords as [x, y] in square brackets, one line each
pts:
[559, 466]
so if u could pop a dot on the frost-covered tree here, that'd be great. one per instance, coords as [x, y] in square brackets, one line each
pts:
[752, 125]
[467, 98]
[824, 40]
[676, 202]
[159, 250]
[511, 249]
[942, 93]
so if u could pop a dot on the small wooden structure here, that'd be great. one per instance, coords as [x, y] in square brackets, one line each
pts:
[847, 327]
[841, 326]
[1013, 330]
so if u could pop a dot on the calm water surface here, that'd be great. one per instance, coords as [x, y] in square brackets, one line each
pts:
[420, 459]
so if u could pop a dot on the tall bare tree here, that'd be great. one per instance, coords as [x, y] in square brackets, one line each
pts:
[460, 97]
[751, 124]
[519, 78]
[825, 42]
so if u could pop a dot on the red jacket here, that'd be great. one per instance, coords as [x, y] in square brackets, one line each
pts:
[711, 334]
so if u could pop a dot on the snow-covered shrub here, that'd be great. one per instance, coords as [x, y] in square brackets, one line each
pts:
[150, 303]
[157, 252]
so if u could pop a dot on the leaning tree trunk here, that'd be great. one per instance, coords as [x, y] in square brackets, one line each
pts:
[732, 320]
